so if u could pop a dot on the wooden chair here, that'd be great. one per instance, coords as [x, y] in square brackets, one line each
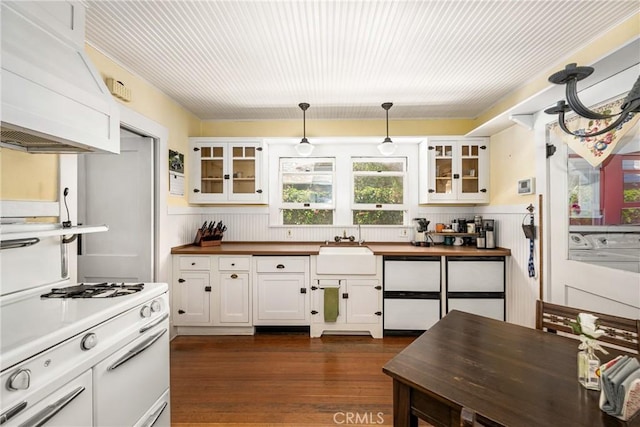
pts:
[619, 331]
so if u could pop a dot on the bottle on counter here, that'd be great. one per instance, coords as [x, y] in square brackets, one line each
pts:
[481, 239]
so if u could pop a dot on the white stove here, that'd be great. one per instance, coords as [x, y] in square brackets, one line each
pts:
[97, 359]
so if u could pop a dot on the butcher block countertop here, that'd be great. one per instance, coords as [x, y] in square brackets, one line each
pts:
[312, 248]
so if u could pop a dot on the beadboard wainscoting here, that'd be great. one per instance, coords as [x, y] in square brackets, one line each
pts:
[252, 224]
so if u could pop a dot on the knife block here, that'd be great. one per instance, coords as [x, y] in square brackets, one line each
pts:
[201, 240]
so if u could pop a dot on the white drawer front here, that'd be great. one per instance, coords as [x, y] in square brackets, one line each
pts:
[493, 308]
[232, 263]
[475, 276]
[412, 276]
[411, 314]
[282, 264]
[194, 263]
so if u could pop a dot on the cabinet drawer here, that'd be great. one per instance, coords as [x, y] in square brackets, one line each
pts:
[232, 263]
[475, 276]
[194, 263]
[282, 264]
[493, 308]
[412, 276]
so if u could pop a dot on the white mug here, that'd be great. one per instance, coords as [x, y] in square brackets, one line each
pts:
[459, 241]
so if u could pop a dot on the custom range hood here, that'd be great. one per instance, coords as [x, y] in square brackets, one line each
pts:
[53, 100]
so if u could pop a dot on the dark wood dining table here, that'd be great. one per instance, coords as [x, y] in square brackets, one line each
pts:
[504, 374]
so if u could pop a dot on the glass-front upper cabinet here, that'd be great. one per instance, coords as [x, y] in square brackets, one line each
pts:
[226, 171]
[456, 171]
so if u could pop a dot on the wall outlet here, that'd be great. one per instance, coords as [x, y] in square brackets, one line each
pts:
[404, 233]
[289, 233]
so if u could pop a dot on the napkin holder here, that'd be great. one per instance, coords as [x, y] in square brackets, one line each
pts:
[631, 405]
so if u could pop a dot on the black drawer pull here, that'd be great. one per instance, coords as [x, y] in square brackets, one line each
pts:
[181, 312]
[234, 276]
[181, 280]
[280, 266]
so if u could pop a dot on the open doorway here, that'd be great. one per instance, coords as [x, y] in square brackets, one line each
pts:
[119, 190]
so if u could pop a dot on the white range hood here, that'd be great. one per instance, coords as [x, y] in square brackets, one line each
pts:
[53, 99]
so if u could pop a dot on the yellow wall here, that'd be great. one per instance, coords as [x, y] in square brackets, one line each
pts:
[26, 176]
[512, 157]
[316, 128]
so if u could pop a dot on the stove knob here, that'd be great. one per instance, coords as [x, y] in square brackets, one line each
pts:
[89, 341]
[155, 306]
[20, 380]
[145, 311]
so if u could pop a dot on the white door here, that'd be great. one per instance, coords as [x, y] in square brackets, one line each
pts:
[117, 190]
[576, 283]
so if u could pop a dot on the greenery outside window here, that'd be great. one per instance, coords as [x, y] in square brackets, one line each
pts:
[308, 194]
[379, 191]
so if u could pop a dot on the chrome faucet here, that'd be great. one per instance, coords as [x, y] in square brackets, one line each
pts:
[360, 239]
[344, 236]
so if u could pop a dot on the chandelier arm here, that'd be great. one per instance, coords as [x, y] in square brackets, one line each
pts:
[577, 106]
[612, 126]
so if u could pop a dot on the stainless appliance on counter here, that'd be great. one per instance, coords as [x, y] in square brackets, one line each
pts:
[77, 354]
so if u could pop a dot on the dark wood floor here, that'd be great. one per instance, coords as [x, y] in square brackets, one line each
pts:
[281, 379]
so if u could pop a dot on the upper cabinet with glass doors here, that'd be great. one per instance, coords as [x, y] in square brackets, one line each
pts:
[457, 171]
[224, 171]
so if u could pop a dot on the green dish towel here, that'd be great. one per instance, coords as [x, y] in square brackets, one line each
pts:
[331, 304]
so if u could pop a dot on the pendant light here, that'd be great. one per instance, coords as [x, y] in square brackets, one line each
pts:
[387, 147]
[304, 148]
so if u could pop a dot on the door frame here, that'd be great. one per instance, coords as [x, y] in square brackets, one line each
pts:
[68, 177]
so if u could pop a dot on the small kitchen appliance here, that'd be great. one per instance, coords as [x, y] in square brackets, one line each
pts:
[489, 226]
[420, 231]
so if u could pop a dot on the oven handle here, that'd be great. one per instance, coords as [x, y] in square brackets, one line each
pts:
[153, 324]
[137, 350]
[52, 410]
[12, 412]
[154, 417]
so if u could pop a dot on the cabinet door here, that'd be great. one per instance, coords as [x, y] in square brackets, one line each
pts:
[191, 298]
[234, 299]
[245, 168]
[318, 303]
[364, 301]
[280, 299]
[473, 171]
[208, 172]
[442, 171]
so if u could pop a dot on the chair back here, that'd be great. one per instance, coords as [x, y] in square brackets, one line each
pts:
[619, 331]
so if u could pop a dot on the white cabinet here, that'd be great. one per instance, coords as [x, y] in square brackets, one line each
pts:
[231, 297]
[226, 171]
[191, 290]
[359, 302]
[454, 171]
[476, 285]
[280, 291]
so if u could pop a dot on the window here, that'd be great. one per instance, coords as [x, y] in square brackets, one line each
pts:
[379, 191]
[307, 187]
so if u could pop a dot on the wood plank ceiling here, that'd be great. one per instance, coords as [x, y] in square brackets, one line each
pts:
[256, 60]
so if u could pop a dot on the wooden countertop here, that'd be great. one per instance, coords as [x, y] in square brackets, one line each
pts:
[312, 248]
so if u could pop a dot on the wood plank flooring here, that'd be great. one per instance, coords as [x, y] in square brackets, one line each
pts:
[282, 379]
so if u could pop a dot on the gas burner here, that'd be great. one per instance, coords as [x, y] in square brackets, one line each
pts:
[100, 290]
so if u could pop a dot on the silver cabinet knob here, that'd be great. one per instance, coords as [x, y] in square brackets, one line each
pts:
[20, 380]
[155, 306]
[145, 311]
[89, 341]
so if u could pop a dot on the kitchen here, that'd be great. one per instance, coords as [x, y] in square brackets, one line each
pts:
[177, 218]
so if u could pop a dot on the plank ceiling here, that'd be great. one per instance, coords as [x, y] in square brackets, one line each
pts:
[256, 60]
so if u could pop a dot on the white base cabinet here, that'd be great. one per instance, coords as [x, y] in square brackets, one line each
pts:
[359, 303]
[281, 291]
[231, 296]
[191, 290]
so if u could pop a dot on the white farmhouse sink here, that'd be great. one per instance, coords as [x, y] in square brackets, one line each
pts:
[345, 260]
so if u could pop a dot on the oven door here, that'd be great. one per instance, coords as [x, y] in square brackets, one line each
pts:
[130, 381]
[67, 406]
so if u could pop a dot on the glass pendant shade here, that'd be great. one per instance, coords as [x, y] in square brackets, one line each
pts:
[304, 148]
[387, 147]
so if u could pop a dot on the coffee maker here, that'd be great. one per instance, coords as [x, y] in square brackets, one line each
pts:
[420, 231]
[489, 227]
